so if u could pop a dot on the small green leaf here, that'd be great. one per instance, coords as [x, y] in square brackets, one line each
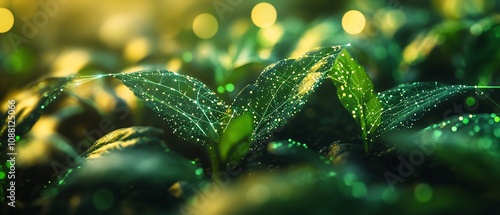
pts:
[355, 91]
[407, 103]
[235, 141]
[193, 110]
[282, 89]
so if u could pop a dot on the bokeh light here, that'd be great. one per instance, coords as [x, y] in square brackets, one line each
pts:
[103, 199]
[457, 9]
[7, 20]
[205, 26]
[353, 22]
[389, 21]
[230, 87]
[258, 194]
[268, 37]
[312, 38]
[70, 62]
[420, 47]
[423, 192]
[137, 49]
[470, 101]
[174, 64]
[264, 15]
[21, 61]
[116, 30]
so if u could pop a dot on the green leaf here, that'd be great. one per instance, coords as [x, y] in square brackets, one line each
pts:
[468, 144]
[235, 141]
[282, 89]
[31, 103]
[123, 138]
[355, 91]
[193, 110]
[128, 168]
[407, 103]
[120, 152]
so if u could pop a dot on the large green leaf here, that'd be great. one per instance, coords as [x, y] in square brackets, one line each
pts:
[355, 91]
[120, 151]
[193, 110]
[132, 176]
[283, 88]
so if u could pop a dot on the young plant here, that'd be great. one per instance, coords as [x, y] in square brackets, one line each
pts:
[355, 91]
[196, 114]
[393, 109]
[199, 116]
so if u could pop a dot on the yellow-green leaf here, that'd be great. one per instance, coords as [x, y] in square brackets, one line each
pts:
[355, 91]
[235, 141]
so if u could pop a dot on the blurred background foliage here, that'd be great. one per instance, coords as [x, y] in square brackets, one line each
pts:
[225, 44]
[398, 40]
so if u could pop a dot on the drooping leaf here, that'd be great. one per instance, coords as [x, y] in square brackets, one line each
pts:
[355, 91]
[235, 141]
[407, 103]
[30, 104]
[193, 110]
[282, 89]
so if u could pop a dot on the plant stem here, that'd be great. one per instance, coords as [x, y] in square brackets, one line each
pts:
[215, 160]
[364, 133]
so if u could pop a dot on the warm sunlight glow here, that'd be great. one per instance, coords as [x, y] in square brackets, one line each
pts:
[115, 31]
[268, 37]
[205, 26]
[174, 64]
[353, 22]
[264, 15]
[137, 49]
[7, 20]
[70, 62]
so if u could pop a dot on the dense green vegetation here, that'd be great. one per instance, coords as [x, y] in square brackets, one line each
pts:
[304, 116]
